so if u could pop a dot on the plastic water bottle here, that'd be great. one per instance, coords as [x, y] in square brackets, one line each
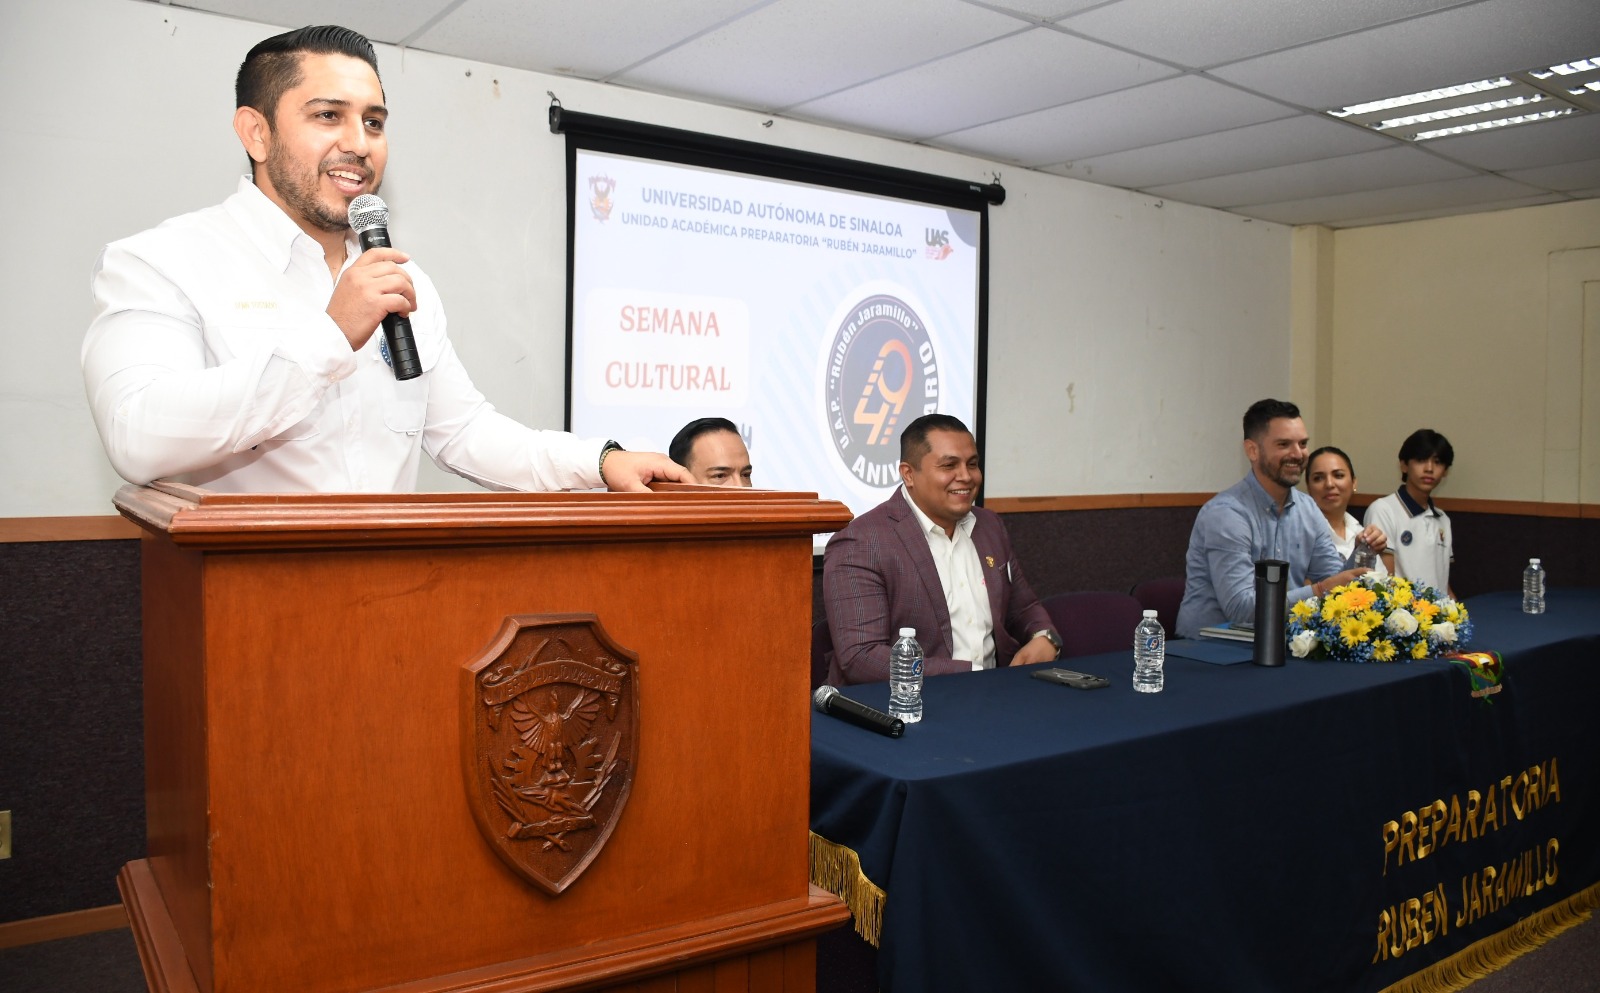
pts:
[1149, 654]
[905, 677]
[1363, 557]
[1533, 588]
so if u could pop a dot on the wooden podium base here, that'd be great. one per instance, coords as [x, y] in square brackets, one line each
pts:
[769, 949]
[331, 792]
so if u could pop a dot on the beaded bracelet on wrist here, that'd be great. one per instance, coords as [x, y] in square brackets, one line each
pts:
[606, 449]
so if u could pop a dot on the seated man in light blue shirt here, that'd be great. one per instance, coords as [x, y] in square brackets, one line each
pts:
[1262, 516]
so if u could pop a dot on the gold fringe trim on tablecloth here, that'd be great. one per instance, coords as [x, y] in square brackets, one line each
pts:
[837, 869]
[1495, 952]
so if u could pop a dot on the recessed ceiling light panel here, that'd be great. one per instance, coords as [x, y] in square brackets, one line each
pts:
[1515, 98]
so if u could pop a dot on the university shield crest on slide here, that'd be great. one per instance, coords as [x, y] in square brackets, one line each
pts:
[549, 725]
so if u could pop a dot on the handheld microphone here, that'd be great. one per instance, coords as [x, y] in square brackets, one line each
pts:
[369, 218]
[835, 704]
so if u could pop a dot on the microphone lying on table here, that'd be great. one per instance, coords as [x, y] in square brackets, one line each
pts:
[835, 704]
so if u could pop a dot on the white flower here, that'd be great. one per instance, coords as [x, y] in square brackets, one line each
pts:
[1401, 622]
[1303, 644]
[1443, 631]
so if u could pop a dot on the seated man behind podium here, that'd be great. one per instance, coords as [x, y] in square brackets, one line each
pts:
[926, 558]
[234, 346]
[713, 452]
[1262, 516]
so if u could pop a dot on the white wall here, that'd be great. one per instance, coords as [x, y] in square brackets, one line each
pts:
[1126, 335]
[1457, 324]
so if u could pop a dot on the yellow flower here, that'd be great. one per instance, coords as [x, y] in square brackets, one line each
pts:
[1420, 649]
[1402, 593]
[1425, 608]
[1372, 619]
[1383, 650]
[1352, 631]
[1302, 610]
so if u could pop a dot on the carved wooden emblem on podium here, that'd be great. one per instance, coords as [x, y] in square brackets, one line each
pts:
[550, 723]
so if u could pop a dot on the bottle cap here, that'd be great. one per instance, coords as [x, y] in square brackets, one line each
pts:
[1149, 613]
[908, 632]
[1533, 561]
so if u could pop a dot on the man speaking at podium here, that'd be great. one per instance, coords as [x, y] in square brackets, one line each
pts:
[234, 347]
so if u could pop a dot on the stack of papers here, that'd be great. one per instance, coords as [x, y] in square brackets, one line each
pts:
[1214, 652]
[1232, 632]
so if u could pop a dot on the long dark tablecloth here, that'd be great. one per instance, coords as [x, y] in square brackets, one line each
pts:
[1228, 833]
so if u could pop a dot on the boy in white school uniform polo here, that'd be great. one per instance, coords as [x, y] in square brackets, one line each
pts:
[1421, 543]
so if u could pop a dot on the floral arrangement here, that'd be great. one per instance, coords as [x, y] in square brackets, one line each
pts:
[1378, 619]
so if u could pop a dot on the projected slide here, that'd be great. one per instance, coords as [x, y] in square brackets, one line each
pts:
[819, 321]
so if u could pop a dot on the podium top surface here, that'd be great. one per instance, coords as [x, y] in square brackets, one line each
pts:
[193, 516]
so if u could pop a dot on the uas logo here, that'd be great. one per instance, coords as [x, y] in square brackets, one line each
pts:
[600, 202]
[938, 244]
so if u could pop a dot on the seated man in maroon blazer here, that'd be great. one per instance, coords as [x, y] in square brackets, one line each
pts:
[926, 558]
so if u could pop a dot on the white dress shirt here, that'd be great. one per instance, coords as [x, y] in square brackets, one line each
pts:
[965, 594]
[211, 358]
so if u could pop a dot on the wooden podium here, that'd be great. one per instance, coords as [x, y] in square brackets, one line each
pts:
[316, 815]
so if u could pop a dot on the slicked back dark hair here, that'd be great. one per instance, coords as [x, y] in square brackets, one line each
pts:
[272, 68]
[683, 442]
[1425, 444]
[1328, 450]
[914, 442]
[1264, 412]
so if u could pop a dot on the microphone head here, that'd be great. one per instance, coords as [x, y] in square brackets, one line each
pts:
[820, 698]
[368, 211]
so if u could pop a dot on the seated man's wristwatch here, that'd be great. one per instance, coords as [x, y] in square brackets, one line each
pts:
[607, 449]
[1051, 637]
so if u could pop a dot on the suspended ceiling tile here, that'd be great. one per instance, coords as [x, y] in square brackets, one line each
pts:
[386, 21]
[1003, 78]
[1568, 177]
[1422, 215]
[769, 54]
[1384, 168]
[1207, 34]
[1458, 45]
[572, 39]
[792, 51]
[1144, 115]
[1526, 146]
[1048, 10]
[1450, 193]
[1254, 146]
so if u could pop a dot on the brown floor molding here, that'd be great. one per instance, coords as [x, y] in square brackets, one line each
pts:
[69, 925]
